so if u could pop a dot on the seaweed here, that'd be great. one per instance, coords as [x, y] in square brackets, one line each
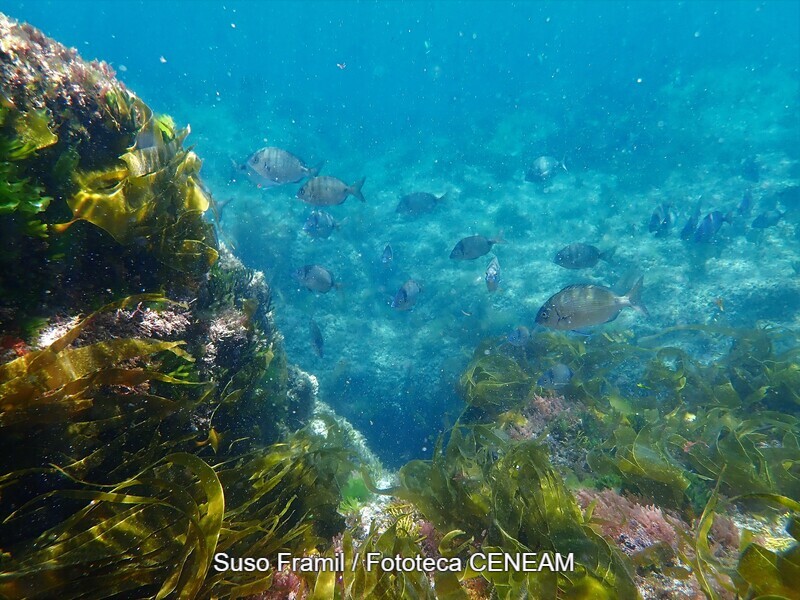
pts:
[21, 136]
[507, 495]
[493, 383]
[361, 582]
[153, 196]
[76, 146]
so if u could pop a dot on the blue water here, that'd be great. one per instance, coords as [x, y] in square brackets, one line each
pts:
[648, 102]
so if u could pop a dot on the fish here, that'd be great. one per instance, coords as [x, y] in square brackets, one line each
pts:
[662, 220]
[388, 255]
[320, 224]
[709, 226]
[315, 278]
[586, 305]
[406, 296]
[474, 247]
[329, 191]
[317, 341]
[555, 377]
[271, 167]
[746, 204]
[519, 336]
[581, 256]
[768, 219]
[751, 170]
[418, 203]
[493, 275]
[691, 224]
[543, 169]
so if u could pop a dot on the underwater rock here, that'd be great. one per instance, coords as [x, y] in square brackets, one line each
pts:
[184, 393]
[99, 197]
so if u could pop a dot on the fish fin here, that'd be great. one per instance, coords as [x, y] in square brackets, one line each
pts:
[564, 162]
[220, 206]
[442, 198]
[355, 189]
[314, 171]
[585, 332]
[608, 255]
[634, 297]
[499, 239]
[240, 167]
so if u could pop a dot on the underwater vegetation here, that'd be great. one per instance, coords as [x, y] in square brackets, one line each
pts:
[77, 147]
[659, 424]
[161, 426]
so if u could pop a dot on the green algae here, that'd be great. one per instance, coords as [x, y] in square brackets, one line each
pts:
[21, 198]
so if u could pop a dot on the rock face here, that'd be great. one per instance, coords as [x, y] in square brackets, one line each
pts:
[98, 197]
[99, 200]
[135, 351]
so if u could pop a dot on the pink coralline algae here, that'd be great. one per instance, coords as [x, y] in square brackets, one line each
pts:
[632, 526]
[39, 73]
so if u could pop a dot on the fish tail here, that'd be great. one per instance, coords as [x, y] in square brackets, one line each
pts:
[314, 171]
[499, 239]
[220, 206]
[355, 189]
[608, 255]
[634, 298]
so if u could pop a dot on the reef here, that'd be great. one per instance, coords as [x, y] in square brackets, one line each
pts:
[149, 418]
[148, 414]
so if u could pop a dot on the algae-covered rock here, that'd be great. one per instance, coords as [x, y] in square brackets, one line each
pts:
[147, 410]
[98, 196]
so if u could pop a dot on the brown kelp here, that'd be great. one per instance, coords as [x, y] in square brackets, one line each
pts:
[505, 497]
[661, 423]
[117, 493]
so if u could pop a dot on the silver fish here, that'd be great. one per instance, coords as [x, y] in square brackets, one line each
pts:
[555, 377]
[579, 306]
[519, 336]
[315, 278]
[270, 167]
[320, 224]
[329, 191]
[543, 169]
[493, 275]
[406, 296]
[317, 341]
[388, 255]
[768, 219]
[418, 203]
[474, 247]
[581, 256]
